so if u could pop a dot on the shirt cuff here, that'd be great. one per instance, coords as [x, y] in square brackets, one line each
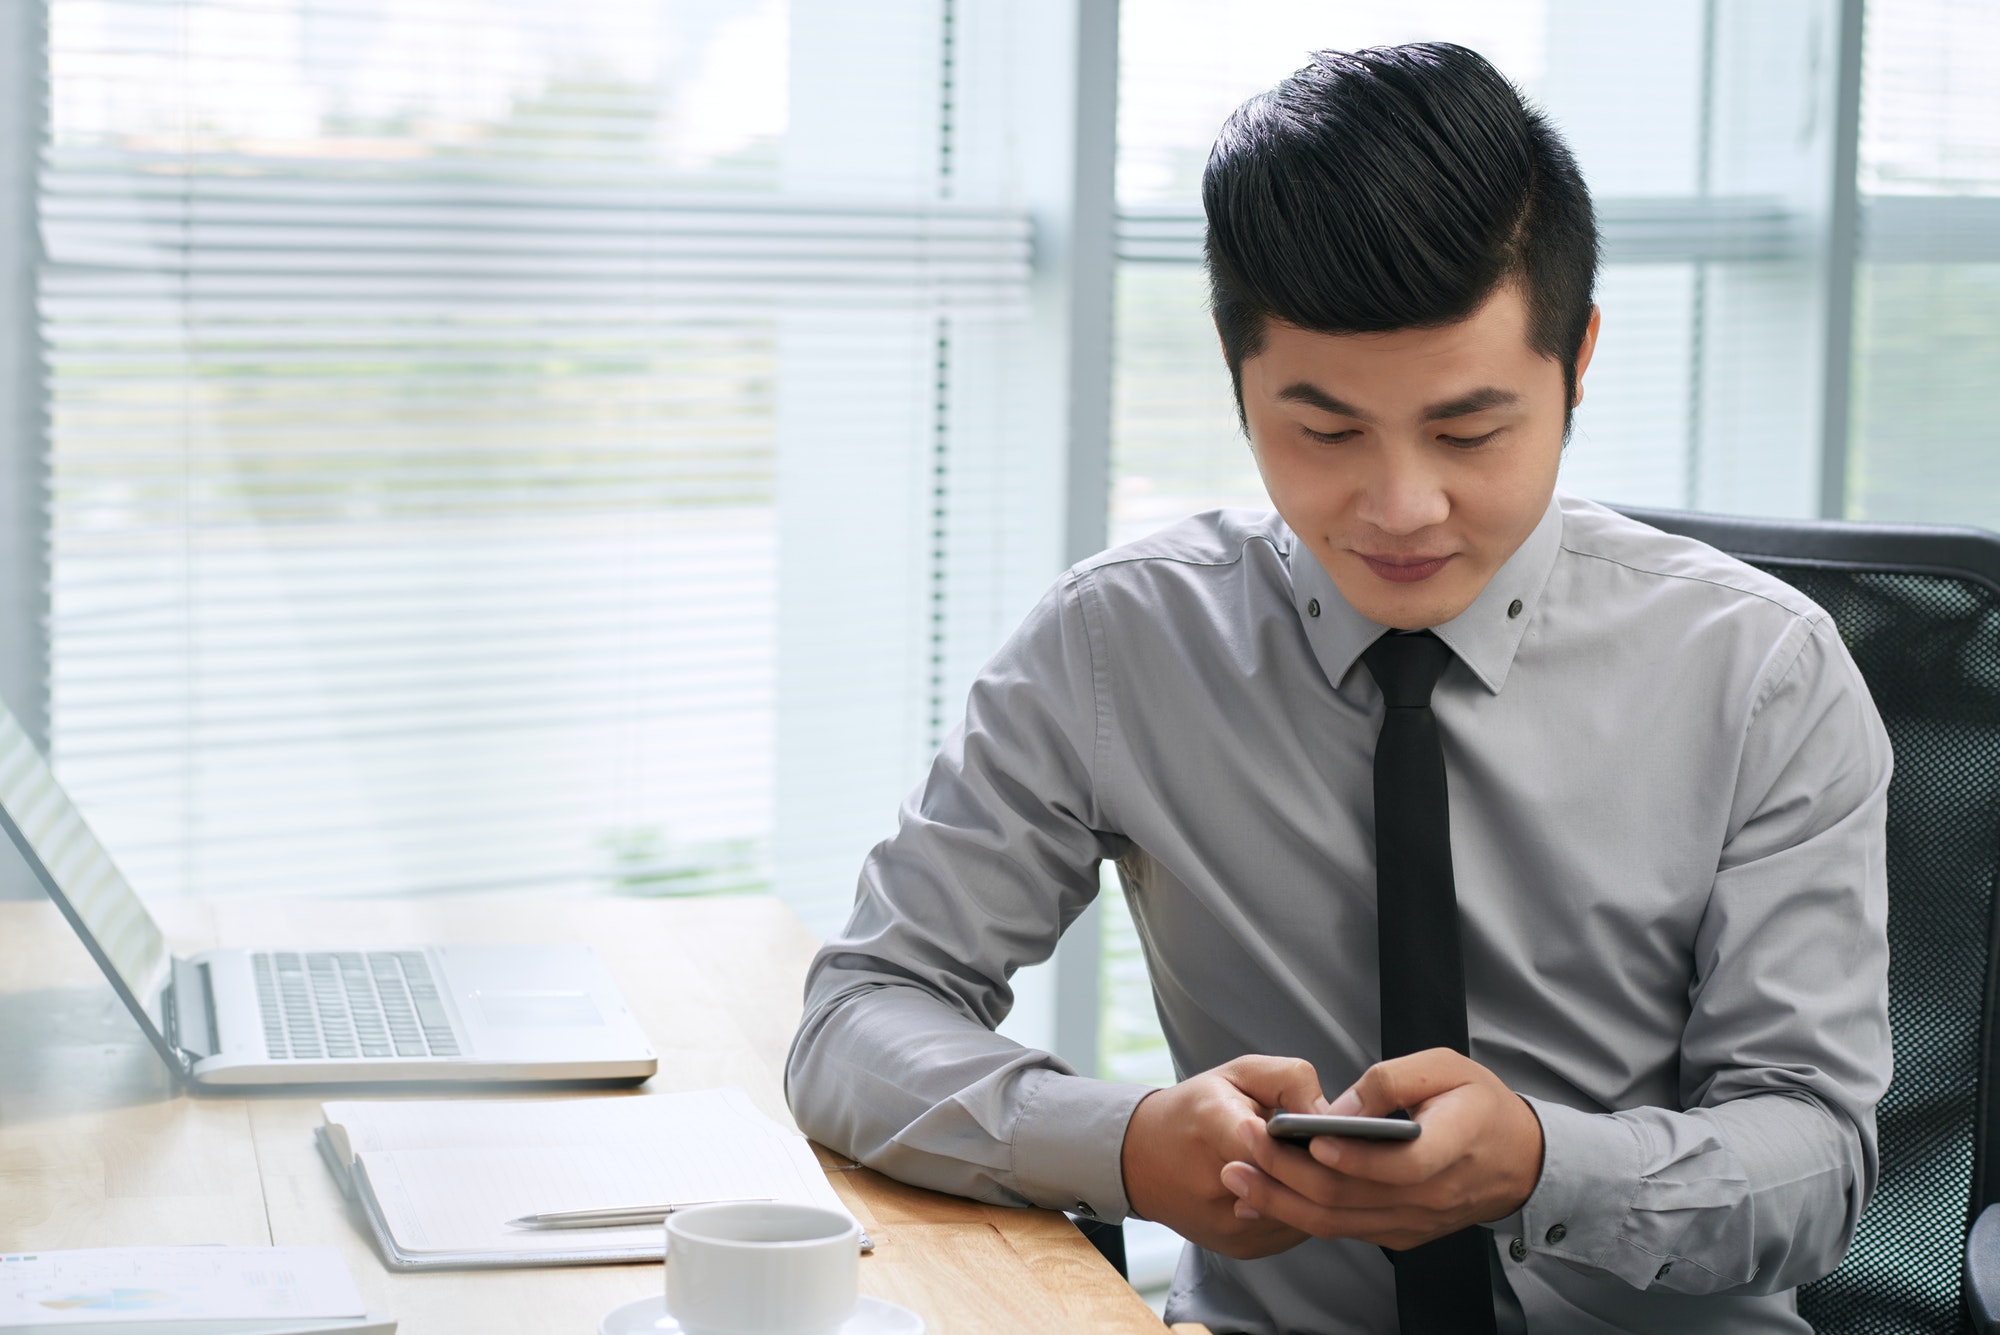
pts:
[1579, 1210]
[1069, 1140]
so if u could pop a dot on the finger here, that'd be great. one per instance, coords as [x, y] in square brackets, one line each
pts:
[1288, 1163]
[1336, 1190]
[1457, 1126]
[1399, 1164]
[1410, 1082]
[1277, 1082]
[1385, 1219]
[1272, 1199]
[1453, 1122]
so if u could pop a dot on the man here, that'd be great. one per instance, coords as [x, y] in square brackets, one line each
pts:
[1621, 946]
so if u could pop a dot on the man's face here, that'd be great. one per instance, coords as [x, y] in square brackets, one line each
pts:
[1412, 463]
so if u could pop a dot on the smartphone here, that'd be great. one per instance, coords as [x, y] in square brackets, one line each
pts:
[1304, 1126]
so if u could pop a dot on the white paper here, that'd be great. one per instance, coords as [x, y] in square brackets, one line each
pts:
[139, 1284]
[449, 1176]
[416, 1124]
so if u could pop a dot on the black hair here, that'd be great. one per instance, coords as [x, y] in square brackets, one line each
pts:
[1395, 188]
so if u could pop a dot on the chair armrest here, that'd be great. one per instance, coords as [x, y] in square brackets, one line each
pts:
[1982, 1272]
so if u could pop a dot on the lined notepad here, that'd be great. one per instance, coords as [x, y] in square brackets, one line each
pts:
[436, 1180]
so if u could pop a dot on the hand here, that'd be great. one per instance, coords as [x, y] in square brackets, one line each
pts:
[1478, 1159]
[1180, 1138]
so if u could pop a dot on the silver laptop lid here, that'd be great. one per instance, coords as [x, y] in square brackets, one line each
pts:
[79, 875]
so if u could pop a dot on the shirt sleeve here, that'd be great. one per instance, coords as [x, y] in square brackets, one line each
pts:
[896, 1062]
[1758, 1184]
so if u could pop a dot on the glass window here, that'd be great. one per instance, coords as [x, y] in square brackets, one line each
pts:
[521, 444]
[1927, 299]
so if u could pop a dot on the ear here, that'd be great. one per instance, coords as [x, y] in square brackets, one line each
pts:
[1584, 351]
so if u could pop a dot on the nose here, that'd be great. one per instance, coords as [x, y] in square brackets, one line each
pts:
[1402, 495]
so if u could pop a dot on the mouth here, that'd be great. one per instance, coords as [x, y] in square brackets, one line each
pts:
[1404, 569]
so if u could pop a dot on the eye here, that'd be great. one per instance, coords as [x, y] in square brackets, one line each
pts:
[1469, 442]
[1328, 437]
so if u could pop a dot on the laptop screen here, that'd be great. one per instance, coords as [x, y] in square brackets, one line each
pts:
[77, 871]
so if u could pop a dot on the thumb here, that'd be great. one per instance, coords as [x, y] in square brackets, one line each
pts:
[1277, 1082]
[1406, 1083]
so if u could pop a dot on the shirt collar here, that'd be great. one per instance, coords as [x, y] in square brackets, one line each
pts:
[1483, 636]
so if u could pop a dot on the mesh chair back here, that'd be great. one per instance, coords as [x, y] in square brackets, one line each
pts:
[1920, 611]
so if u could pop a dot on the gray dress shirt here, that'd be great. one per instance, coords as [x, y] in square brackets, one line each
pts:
[1667, 790]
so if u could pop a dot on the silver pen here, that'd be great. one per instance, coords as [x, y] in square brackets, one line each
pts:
[626, 1216]
[620, 1216]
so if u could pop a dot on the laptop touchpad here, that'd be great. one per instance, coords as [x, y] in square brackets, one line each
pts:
[520, 1010]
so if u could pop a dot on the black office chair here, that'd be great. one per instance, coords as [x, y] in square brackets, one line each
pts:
[1919, 609]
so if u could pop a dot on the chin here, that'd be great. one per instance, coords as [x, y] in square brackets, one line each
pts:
[1417, 606]
[1410, 613]
[1406, 620]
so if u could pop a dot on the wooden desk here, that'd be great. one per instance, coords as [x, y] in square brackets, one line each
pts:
[98, 1149]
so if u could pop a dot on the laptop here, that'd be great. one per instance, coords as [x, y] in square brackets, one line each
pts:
[312, 1015]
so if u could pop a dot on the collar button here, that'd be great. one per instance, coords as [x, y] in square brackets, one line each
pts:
[1513, 609]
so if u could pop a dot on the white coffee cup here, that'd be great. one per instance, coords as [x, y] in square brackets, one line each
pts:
[761, 1268]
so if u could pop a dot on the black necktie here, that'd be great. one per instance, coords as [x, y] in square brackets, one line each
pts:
[1442, 1287]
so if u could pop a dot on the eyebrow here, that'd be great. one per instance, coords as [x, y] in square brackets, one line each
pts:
[1479, 400]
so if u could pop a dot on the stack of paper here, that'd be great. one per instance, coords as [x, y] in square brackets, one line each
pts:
[437, 1181]
[186, 1290]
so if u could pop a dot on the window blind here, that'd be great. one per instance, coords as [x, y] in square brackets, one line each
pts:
[1927, 327]
[416, 441]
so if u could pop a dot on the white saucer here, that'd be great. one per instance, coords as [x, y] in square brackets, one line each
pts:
[871, 1316]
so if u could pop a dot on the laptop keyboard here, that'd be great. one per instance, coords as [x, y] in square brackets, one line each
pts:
[350, 1003]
